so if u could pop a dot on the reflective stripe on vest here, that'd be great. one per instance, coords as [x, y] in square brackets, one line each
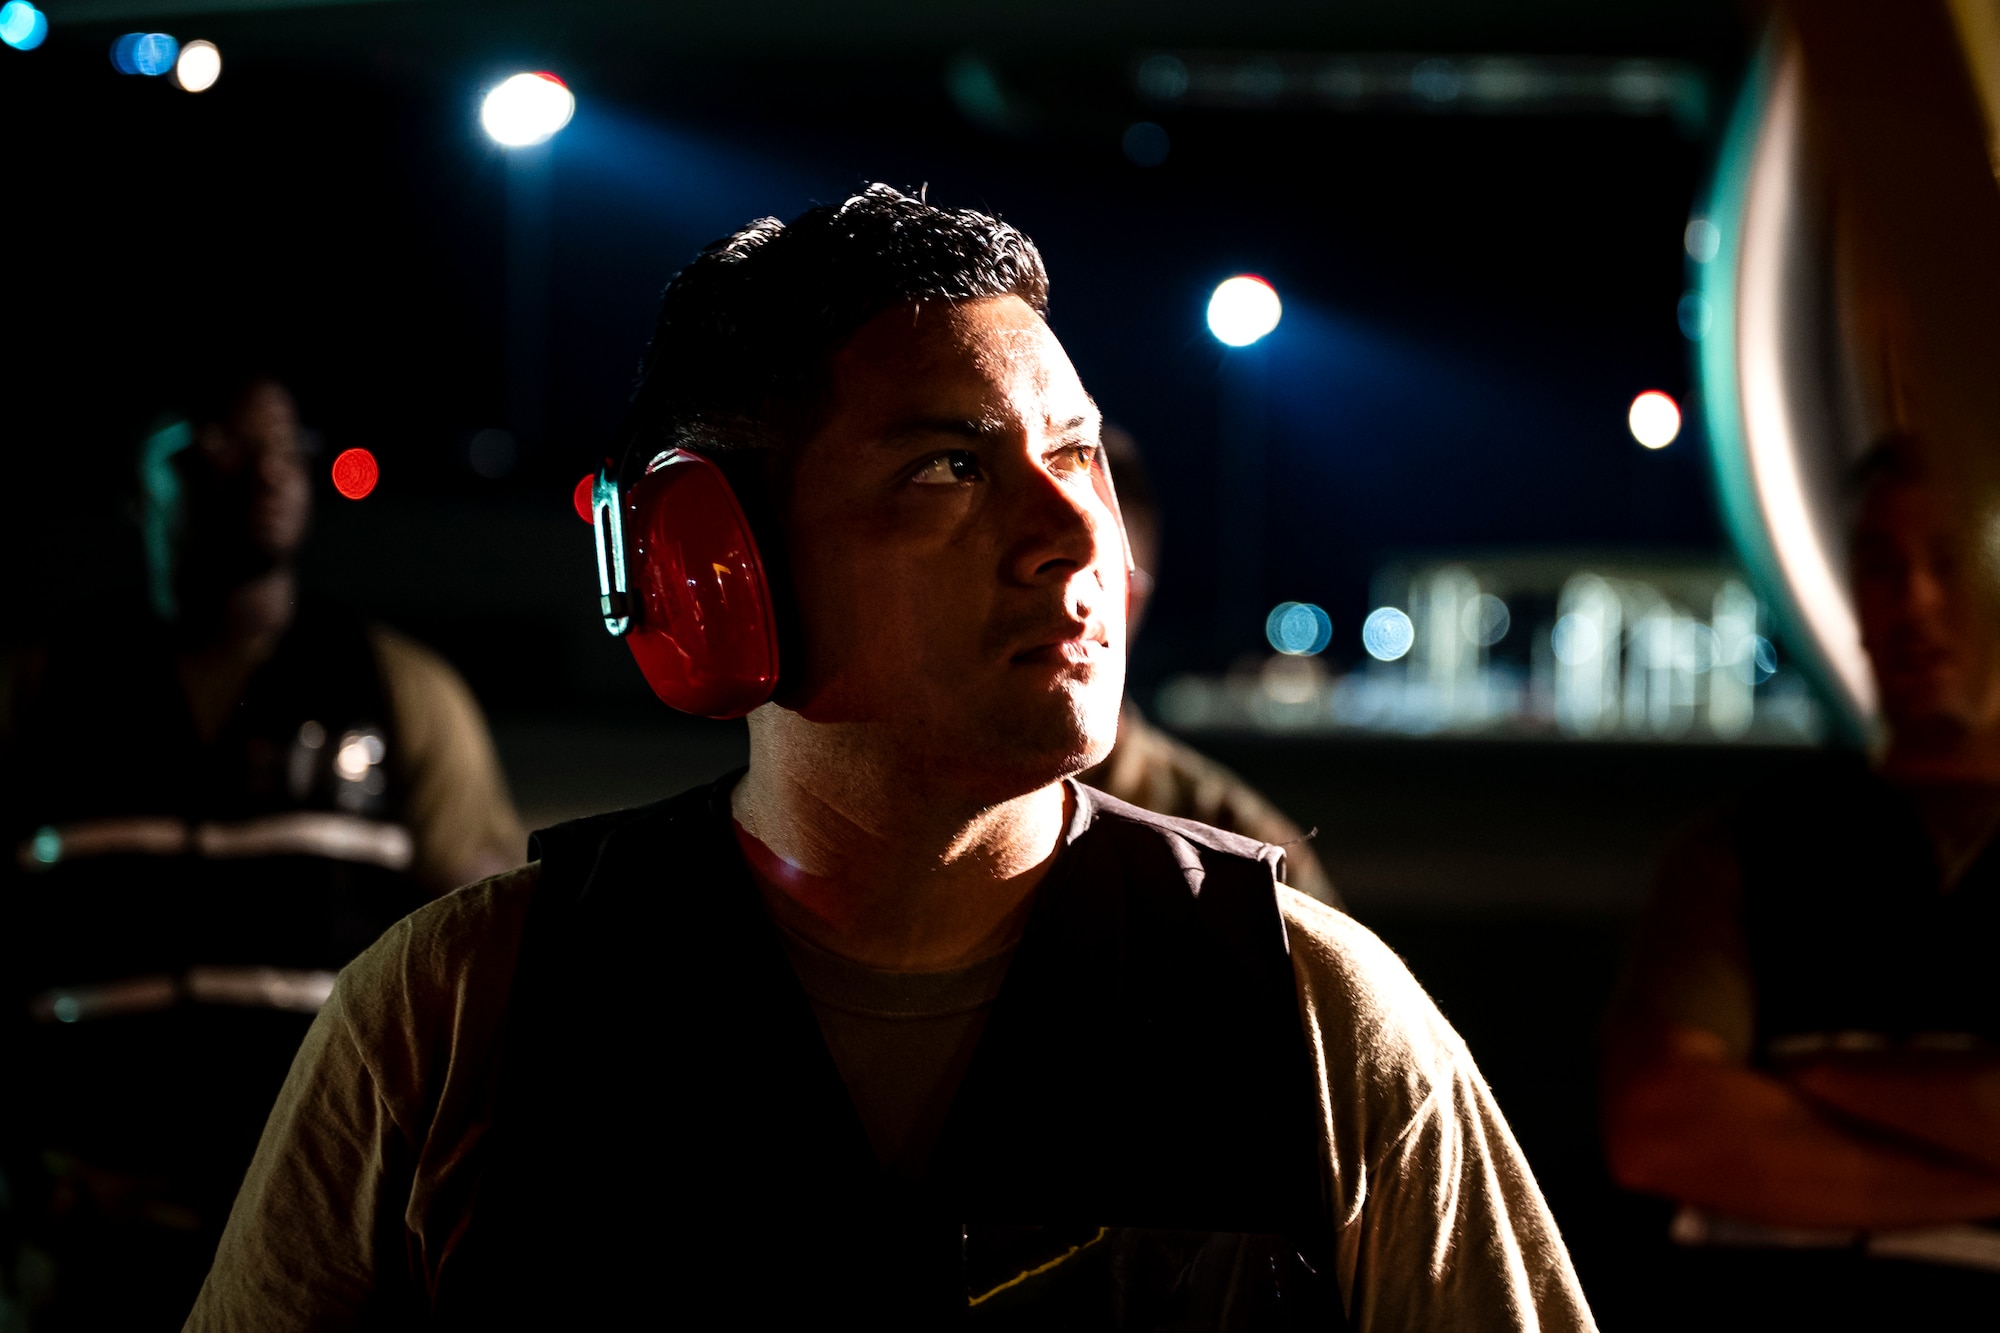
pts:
[336, 837]
[290, 989]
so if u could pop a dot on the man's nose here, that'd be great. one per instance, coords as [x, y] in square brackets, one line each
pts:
[1063, 526]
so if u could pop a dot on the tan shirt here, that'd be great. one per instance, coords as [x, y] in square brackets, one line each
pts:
[366, 1169]
[1150, 769]
[901, 1040]
[460, 815]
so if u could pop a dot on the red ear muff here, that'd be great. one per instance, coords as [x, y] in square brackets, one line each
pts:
[685, 579]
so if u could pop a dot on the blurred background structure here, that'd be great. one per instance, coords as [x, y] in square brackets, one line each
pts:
[1468, 560]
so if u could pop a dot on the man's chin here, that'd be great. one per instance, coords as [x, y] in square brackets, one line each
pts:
[1026, 754]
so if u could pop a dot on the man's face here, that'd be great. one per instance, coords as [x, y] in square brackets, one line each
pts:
[250, 499]
[1932, 638]
[956, 553]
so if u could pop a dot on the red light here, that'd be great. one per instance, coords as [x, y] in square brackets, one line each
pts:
[583, 496]
[355, 473]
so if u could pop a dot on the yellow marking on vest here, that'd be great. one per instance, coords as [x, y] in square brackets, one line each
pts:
[1039, 1269]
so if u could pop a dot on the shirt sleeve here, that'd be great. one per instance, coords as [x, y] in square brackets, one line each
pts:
[457, 804]
[365, 1174]
[305, 1245]
[1440, 1225]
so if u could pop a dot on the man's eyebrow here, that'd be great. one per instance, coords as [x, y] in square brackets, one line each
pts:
[969, 428]
[974, 428]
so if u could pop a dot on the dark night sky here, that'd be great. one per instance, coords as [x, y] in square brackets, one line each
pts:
[1471, 302]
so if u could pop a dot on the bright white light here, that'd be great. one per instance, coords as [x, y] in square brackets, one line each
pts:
[1387, 634]
[1771, 429]
[1702, 240]
[527, 109]
[1655, 419]
[199, 67]
[1243, 310]
[1576, 639]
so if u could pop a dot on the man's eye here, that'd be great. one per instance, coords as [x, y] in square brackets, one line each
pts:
[946, 469]
[1076, 459]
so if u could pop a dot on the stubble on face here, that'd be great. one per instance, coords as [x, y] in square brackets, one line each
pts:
[957, 559]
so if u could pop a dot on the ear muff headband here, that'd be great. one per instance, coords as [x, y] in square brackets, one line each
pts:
[681, 580]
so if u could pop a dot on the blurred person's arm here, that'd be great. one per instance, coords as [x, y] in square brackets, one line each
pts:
[1685, 1121]
[1949, 1101]
[1686, 1116]
[459, 812]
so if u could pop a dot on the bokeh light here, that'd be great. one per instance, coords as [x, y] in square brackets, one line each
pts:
[199, 66]
[1298, 629]
[1146, 144]
[1694, 316]
[1655, 419]
[22, 26]
[1388, 633]
[1576, 639]
[355, 473]
[492, 453]
[527, 109]
[581, 499]
[1485, 620]
[1702, 240]
[147, 53]
[1243, 309]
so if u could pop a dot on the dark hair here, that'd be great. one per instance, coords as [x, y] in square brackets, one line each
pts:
[739, 354]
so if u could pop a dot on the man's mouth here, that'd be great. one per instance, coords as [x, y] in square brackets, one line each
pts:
[1081, 648]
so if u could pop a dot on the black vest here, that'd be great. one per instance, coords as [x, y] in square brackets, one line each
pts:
[1850, 934]
[1135, 1144]
[138, 1041]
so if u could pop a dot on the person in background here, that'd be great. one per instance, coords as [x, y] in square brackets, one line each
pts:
[206, 812]
[1151, 769]
[1806, 1052]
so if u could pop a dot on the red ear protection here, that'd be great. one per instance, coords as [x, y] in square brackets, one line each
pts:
[681, 581]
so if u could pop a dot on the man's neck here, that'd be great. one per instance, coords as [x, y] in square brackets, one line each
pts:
[234, 634]
[879, 869]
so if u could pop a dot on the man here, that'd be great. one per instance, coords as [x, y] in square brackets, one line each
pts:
[899, 1026]
[1804, 1054]
[207, 812]
[1149, 768]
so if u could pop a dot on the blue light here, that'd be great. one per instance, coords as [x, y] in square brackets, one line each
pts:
[1387, 634]
[148, 53]
[1764, 657]
[22, 26]
[46, 846]
[1694, 316]
[1298, 629]
[1146, 144]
